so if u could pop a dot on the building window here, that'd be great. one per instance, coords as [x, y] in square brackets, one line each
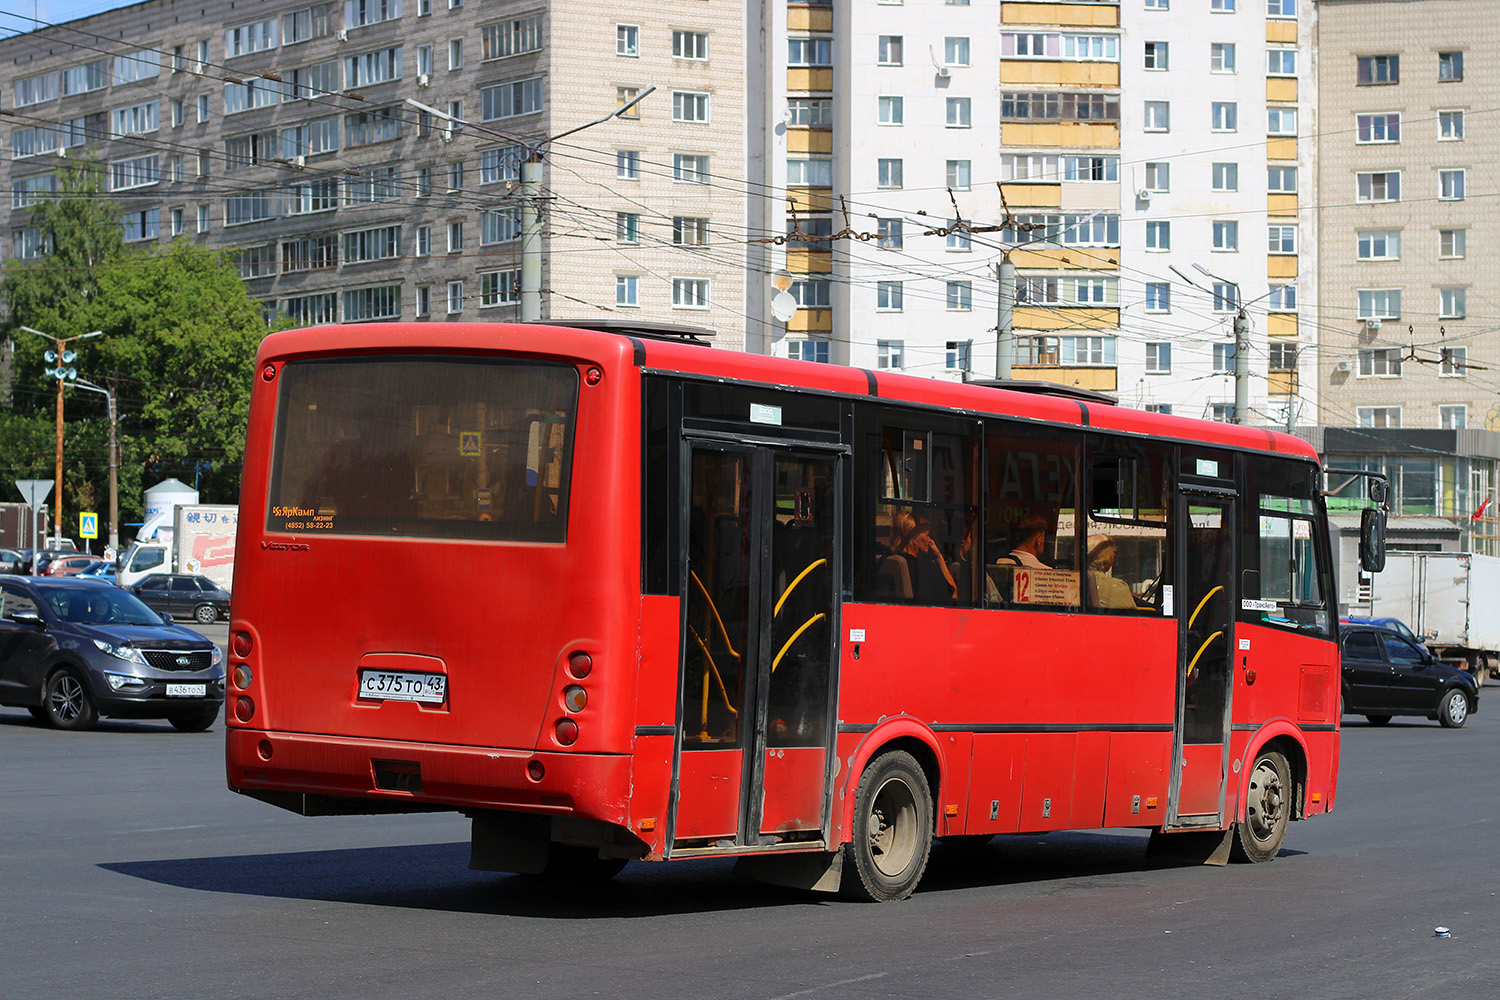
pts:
[888, 173]
[1221, 57]
[1283, 298]
[689, 107]
[1158, 358]
[687, 169]
[1158, 297]
[1159, 236]
[1384, 186]
[809, 52]
[455, 297]
[1158, 4]
[1281, 121]
[380, 302]
[1226, 116]
[628, 164]
[1159, 177]
[1454, 417]
[1158, 116]
[959, 174]
[890, 110]
[1088, 350]
[1224, 358]
[1221, 412]
[888, 234]
[888, 50]
[955, 51]
[1378, 128]
[627, 290]
[1283, 357]
[424, 241]
[1379, 303]
[524, 97]
[1450, 125]
[1226, 235]
[813, 112]
[179, 224]
[690, 45]
[455, 53]
[1156, 55]
[1281, 180]
[889, 296]
[627, 40]
[689, 293]
[1451, 185]
[1452, 243]
[960, 296]
[957, 355]
[511, 37]
[424, 299]
[1379, 244]
[1454, 362]
[1281, 8]
[1226, 176]
[809, 350]
[812, 293]
[1222, 6]
[455, 237]
[1159, 408]
[203, 218]
[1451, 303]
[809, 173]
[1281, 62]
[1450, 66]
[499, 288]
[627, 227]
[1226, 297]
[1378, 416]
[1282, 239]
[689, 231]
[890, 353]
[1373, 70]
[456, 176]
[959, 112]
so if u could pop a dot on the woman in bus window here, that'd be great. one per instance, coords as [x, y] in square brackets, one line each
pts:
[911, 538]
[1108, 592]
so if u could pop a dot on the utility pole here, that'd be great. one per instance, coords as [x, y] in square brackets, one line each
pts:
[1005, 340]
[62, 356]
[114, 463]
[1241, 362]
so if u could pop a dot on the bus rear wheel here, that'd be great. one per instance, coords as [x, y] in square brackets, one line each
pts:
[892, 835]
[1268, 809]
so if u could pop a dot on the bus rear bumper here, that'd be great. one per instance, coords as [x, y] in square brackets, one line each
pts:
[329, 775]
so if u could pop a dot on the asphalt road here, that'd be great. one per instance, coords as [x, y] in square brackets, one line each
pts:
[128, 870]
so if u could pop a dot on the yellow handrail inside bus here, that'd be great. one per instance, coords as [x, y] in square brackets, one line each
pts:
[710, 665]
[793, 585]
[1200, 605]
[1194, 665]
[795, 635]
[715, 609]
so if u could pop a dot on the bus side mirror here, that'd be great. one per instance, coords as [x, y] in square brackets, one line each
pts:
[1372, 540]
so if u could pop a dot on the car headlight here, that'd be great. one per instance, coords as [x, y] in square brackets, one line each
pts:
[217, 659]
[118, 681]
[127, 653]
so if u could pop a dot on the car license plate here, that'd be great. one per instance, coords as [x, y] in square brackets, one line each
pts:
[186, 690]
[402, 685]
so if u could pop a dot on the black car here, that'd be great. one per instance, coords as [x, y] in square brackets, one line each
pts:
[73, 650]
[1386, 674]
[14, 561]
[184, 594]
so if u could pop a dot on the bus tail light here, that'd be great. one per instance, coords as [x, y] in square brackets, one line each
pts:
[242, 644]
[575, 697]
[535, 770]
[566, 731]
[243, 675]
[580, 664]
[244, 708]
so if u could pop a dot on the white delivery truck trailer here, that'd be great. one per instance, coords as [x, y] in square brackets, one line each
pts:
[1450, 599]
[201, 541]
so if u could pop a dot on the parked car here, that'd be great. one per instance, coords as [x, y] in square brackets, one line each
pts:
[1394, 624]
[69, 564]
[1386, 674]
[184, 594]
[14, 561]
[73, 650]
[99, 569]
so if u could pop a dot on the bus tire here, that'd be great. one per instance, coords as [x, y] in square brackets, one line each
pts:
[892, 831]
[1453, 710]
[1268, 809]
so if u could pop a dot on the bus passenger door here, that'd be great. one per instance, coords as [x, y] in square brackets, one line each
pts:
[1205, 612]
[760, 613]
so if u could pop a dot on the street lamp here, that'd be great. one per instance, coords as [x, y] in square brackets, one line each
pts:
[114, 463]
[62, 356]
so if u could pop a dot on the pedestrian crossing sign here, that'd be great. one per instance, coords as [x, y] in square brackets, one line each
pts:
[88, 525]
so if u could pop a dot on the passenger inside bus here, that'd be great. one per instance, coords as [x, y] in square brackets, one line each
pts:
[1107, 592]
[912, 542]
[1030, 543]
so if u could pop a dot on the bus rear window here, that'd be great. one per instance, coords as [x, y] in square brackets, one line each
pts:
[424, 447]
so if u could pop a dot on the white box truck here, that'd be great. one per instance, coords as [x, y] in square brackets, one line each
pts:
[201, 541]
[1450, 599]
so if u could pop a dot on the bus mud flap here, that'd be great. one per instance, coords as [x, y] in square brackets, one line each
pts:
[820, 871]
[510, 842]
[1193, 847]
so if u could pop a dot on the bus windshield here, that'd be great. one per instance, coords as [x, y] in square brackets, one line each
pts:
[405, 445]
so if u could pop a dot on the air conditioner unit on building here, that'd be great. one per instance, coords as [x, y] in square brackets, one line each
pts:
[343, 34]
[423, 80]
[299, 161]
[1144, 194]
[1342, 366]
[446, 135]
[944, 72]
[1372, 324]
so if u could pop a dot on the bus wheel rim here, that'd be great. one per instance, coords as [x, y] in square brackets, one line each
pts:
[892, 824]
[1266, 801]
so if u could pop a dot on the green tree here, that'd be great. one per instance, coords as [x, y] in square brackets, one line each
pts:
[180, 334]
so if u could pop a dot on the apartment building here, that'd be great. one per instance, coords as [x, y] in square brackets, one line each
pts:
[288, 134]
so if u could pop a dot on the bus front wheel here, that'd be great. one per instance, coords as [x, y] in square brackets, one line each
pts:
[892, 833]
[1268, 809]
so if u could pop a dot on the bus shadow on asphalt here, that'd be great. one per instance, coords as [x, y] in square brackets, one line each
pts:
[436, 877]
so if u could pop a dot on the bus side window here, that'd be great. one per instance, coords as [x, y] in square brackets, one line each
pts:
[1283, 574]
[1032, 549]
[1126, 543]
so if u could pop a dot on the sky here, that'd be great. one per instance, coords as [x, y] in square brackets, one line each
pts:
[15, 15]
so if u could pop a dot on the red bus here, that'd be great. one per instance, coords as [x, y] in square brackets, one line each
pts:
[615, 594]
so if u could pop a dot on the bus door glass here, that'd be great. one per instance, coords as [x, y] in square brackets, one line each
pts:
[760, 617]
[1205, 613]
